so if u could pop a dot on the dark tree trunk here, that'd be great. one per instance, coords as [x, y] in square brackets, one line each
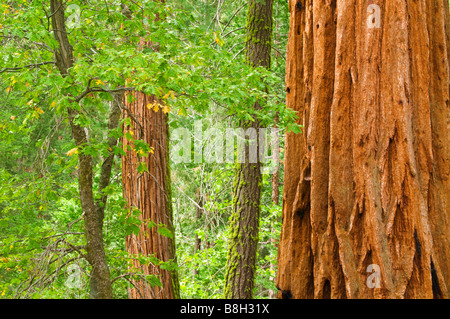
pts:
[198, 216]
[100, 281]
[275, 200]
[244, 231]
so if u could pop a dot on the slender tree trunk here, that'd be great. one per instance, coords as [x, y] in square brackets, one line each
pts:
[150, 192]
[244, 231]
[276, 174]
[198, 216]
[366, 190]
[93, 211]
[275, 200]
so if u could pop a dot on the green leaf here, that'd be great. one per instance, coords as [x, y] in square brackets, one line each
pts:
[164, 231]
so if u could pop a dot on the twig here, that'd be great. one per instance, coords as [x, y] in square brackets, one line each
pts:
[35, 65]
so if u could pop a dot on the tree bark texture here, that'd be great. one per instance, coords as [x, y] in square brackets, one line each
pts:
[93, 211]
[150, 192]
[368, 180]
[244, 228]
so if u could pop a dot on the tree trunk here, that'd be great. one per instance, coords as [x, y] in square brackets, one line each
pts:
[275, 200]
[93, 211]
[244, 229]
[150, 192]
[198, 216]
[367, 183]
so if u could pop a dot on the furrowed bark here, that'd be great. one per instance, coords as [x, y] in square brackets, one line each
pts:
[244, 228]
[373, 183]
[150, 192]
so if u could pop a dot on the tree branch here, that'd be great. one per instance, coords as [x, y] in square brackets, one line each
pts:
[34, 65]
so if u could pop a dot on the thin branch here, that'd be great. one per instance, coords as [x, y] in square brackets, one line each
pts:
[34, 65]
[232, 17]
[279, 53]
[238, 53]
[228, 33]
[90, 89]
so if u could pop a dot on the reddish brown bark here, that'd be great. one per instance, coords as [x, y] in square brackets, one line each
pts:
[368, 180]
[150, 193]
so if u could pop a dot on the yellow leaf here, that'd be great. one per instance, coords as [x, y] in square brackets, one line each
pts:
[169, 94]
[149, 106]
[40, 207]
[166, 109]
[13, 117]
[72, 151]
[99, 82]
[141, 152]
[156, 107]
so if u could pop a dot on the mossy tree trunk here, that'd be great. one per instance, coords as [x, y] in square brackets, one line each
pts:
[244, 228]
[367, 183]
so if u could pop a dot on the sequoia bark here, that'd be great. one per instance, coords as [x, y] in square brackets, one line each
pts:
[150, 192]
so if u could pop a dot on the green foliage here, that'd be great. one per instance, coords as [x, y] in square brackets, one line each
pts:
[199, 71]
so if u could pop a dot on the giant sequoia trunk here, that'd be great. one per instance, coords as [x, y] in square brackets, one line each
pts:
[150, 192]
[367, 183]
[244, 234]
